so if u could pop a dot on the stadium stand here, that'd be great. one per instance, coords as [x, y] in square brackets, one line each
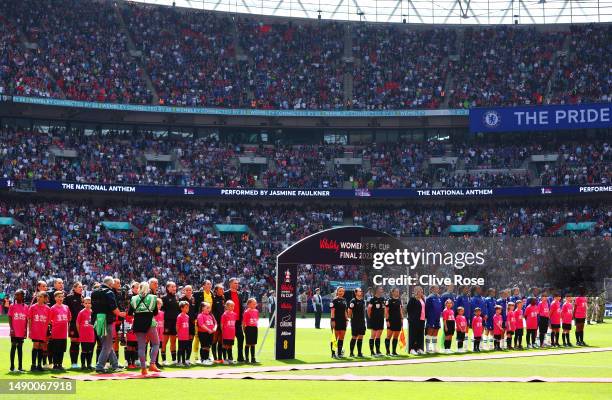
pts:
[143, 54]
[206, 161]
[128, 53]
[67, 239]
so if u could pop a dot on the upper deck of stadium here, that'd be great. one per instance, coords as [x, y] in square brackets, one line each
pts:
[128, 53]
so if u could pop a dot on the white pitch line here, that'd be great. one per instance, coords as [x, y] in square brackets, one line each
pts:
[224, 373]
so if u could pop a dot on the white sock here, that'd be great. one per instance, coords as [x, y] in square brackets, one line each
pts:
[427, 341]
[435, 344]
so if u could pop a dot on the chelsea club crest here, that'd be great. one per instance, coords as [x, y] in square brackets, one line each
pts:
[492, 119]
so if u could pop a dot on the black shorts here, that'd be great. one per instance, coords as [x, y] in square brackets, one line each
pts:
[449, 328]
[87, 347]
[192, 329]
[555, 326]
[205, 339]
[580, 320]
[519, 331]
[38, 341]
[340, 324]
[395, 325]
[567, 327]
[131, 343]
[228, 342]
[509, 333]
[377, 324]
[73, 333]
[170, 329]
[358, 329]
[17, 340]
[497, 337]
[58, 345]
[250, 335]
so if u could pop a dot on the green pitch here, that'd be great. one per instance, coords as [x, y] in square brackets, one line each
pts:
[313, 347]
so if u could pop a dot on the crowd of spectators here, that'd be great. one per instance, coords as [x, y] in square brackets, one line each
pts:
[504, 66]
[406, 222]
[585, 74]
[395, 165]
[304, 166]
[581, 164]
[22, 72]
[81, 46]
[500, 156]
[82, 50]
[180, 242]
[541, 221]
[189, 55]
[488, 179]
[396, 68]
[293, 66]
[129, 157]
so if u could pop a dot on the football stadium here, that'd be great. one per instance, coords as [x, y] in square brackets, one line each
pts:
[305, 199]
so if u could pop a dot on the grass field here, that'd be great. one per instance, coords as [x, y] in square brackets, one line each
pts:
[313, 347]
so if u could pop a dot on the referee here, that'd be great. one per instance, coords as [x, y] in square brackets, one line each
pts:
[356, 313]
[338, 320]
[376, 315]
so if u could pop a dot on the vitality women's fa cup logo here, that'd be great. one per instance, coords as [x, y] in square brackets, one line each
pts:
[287, 276]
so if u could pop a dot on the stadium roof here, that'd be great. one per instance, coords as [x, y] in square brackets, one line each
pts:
[417, 11]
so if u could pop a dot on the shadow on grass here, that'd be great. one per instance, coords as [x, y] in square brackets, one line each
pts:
[366, 360]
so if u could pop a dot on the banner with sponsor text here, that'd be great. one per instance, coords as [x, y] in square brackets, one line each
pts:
[246, 193]
[541, 118]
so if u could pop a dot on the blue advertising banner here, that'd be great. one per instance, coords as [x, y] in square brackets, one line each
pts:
[234, 111]
[56, 186]
[540, 118]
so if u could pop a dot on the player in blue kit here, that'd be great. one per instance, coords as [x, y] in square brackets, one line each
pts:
[535, 294]
[516, 295]
[463, 300]
[476, 301]
[433, 310]
[488, 313]
[449, 294]
[503, 302]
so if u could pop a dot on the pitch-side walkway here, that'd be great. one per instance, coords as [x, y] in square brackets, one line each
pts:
[258, 372]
